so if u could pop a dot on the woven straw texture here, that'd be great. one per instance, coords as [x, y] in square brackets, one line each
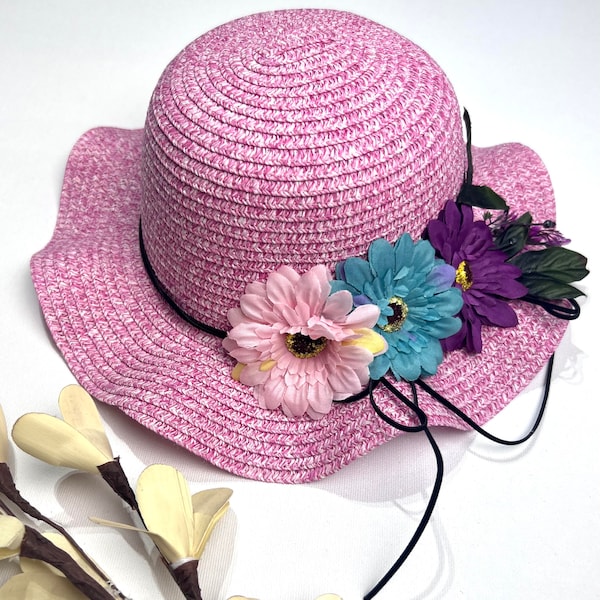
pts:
[293, 137]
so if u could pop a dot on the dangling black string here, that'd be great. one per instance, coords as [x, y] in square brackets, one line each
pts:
[464, 417]
[566, 313]
[413, 405]
[423, 426]
[162, 290]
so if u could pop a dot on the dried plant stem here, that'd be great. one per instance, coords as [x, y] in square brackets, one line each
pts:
[9, 489]
[36, 546]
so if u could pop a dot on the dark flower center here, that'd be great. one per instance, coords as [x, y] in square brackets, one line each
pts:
[303, 346]
[398, 316]
[464, 277]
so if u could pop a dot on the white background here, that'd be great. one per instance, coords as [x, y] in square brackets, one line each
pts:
[510, 523]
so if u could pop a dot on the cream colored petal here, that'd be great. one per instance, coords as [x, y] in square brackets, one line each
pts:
[165, 547]
[368, 339]
[209, 506]
[3, 438]
[240, 598]
[79, 410]
[166, 507]
[329, 597]
[57, 443]
[60, 541]
[39, 586]
[11, 536]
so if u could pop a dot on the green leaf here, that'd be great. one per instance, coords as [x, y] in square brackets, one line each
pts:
[548, 288]
[556, 262]
[481, 196]
[514, 237]
[547, 273]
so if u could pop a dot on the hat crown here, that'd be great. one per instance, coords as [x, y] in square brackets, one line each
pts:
[291, 137]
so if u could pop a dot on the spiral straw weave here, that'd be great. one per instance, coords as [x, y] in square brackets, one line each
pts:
[293, 137]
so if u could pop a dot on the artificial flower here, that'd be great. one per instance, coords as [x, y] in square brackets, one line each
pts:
[41, 558]
[11, 536]
[35, 565]
[300, 347]
[39, 585]
[78, 442]
[534, 234]
[487, 281]
[178, 523]
[413, 291]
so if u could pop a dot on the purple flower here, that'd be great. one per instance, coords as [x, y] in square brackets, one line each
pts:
[538, 234]
[486, 279]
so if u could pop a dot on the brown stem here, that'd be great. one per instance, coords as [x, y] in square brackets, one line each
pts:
[35, 545]
[9, 489]
[113, 474]
[186, 576]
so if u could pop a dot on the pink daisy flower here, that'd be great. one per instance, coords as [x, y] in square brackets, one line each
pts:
[300, 347]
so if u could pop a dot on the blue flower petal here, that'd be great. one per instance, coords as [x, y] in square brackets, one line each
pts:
[406, 366]
[357, 271]
[407, 270]
[381, 258]
[379, 367]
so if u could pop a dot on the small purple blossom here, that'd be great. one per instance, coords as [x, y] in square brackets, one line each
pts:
[539, 234]
[486, 279]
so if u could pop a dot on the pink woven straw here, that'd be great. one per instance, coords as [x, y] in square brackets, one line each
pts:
[291, 137]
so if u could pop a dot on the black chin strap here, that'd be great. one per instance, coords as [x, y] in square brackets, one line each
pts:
[413, 405]
[435, 492]
[560, 311]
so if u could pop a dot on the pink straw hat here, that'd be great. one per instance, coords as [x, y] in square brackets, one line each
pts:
[286, 138]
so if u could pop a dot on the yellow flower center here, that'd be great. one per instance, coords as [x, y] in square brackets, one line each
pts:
[303, 346]
[398, 316]
[464, 277]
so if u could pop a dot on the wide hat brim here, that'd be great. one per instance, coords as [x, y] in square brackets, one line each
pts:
[128, 348]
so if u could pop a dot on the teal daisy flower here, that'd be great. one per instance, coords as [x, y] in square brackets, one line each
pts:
[416, 298]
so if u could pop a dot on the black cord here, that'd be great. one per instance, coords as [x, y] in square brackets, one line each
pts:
[162, 290]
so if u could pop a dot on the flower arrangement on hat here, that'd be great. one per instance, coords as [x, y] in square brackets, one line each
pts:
[304, 341]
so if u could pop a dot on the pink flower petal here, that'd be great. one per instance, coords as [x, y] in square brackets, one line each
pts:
[363, 316]
[313, 288]
[245, 334]
[295, 401]
[270, 395]
[320, 399]
[256, 308]
[256, 287]
[303, 311]
[317, 328]
[338, 305]
[280, 290]
[235, 316]
[355, 357]
[245, 355]
[288, 317]
[252, 375]
[344, 382]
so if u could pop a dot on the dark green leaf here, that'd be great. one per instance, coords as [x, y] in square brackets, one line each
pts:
[548, 288]
[481, 196]
[513, 238]
[558, 263]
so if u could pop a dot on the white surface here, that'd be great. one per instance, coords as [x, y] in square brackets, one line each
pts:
[510, 523]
